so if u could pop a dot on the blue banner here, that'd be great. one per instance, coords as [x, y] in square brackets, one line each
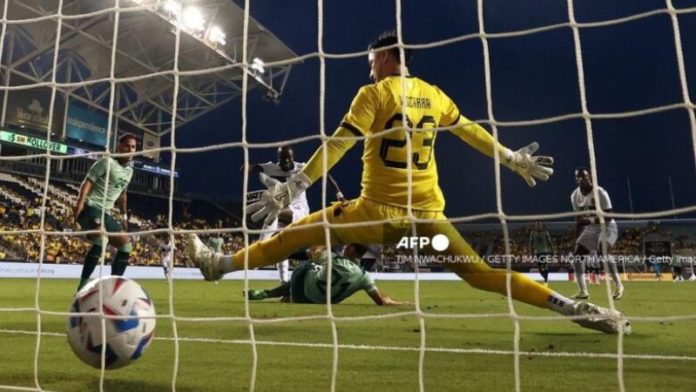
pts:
[86, 126]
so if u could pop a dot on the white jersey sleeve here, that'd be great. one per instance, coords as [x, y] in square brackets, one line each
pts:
[267, 166]
[604, 200]
[273, 170]
[574, 199]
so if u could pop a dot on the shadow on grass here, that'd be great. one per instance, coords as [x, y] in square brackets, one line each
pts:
[133, 386]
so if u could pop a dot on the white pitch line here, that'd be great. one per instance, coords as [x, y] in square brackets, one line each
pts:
[400, 348]
[16, 388]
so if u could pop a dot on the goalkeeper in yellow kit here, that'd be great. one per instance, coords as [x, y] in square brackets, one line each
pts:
[399, 188]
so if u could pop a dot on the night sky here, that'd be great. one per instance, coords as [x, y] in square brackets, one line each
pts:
[628, 67]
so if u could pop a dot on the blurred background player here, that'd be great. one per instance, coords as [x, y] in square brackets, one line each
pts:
[683, 261]
[167, 256]
[687, 254]
[309, 281]
[399, 183]
[676, 263]
[96, 197]
[542, 249]
[590, 234]
[284, 168]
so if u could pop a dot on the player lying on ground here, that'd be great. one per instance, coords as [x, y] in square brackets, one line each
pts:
[308, 284]
[393, 154]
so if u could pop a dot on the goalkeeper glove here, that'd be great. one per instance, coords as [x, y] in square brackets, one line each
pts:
[278, 196]
[530, 167]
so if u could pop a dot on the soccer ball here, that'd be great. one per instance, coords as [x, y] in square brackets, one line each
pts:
[126, 338]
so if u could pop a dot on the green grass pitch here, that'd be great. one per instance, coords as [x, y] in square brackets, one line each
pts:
[463, 353]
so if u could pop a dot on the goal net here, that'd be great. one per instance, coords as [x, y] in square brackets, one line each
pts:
[547, 72]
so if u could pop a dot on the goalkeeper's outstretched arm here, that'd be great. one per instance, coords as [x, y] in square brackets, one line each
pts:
[336, 147]
[479, 138]
[522, 162]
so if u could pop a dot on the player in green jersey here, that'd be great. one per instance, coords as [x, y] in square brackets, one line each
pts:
[98, 195]
[541, 248]
[309, 282]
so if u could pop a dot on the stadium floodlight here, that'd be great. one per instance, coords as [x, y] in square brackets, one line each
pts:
[173, 7]
[217, 36]
[151, 3]
[192, 19]
[258, 65]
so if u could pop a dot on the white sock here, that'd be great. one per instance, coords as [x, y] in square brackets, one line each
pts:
[614, 270]
[580, 276]
[283, 271]
[226, 262]
[560, 304]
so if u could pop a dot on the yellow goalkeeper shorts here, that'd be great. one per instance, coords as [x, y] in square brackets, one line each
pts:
[363, 221]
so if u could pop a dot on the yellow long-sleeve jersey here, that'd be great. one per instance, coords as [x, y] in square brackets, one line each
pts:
[377, 113]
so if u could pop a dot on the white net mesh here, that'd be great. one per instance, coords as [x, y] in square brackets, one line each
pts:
[130, 8]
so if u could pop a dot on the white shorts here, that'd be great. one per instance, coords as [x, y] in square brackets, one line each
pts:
[298, 212]
[592, 236]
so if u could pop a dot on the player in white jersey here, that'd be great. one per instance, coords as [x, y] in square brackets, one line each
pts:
[591, 236]
[296, 210]
[167, 253]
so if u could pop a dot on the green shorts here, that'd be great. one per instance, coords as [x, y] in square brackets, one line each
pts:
[90, 219]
